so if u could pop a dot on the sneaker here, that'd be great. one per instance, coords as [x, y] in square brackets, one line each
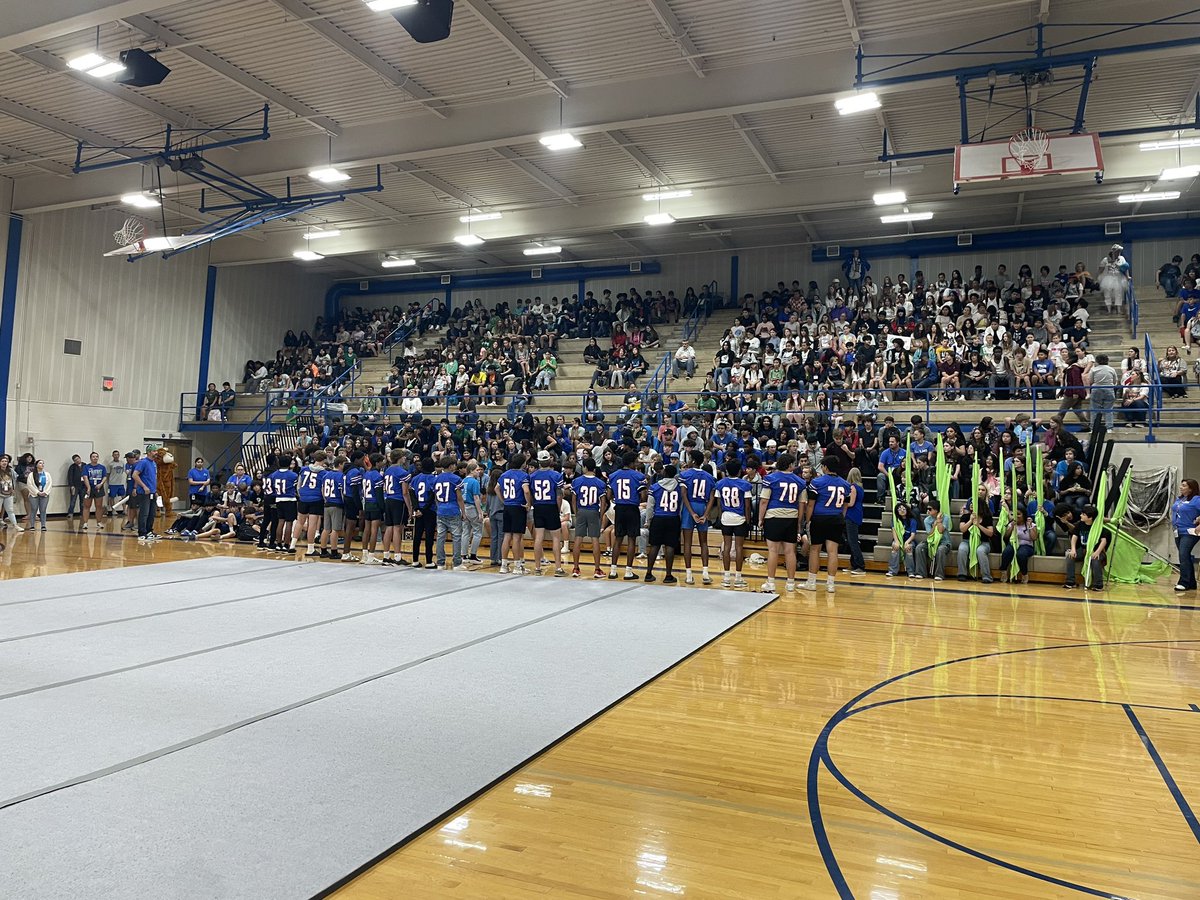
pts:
[386, 562]
[335, 554]
[612, 574]
[427, 565]
[560, 572]
[689, 578]
[727, 579]
[809, 585]
[83, 527]
[324, 554]
[790, 587]
[829, 586]
[632, 576]
[314, 553]
[768, 587]
[1180, 587]
[739, 582]
[150, 537]
[890, 574]
[369, 560]
[504, 568]
[598, 574]
[575, 572]
[649, 577]
[858, 571]
[938, 578]
[670, 579]
[706, 579]
[350, 557]
[462, 567]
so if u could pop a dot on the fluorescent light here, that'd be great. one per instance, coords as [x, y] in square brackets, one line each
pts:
[906, 217]
[667, 195]
[385, 5]
[321, 233]
[659, 219]
[1179, 172]
[308, 255]
[328, 175]
[469, 240]
[395, 262]
[1147, 196]
[562, 140]
[154, 244]
[1170, 143]
[542, 251]
[857, 103]
[480, 217]
[142, 200]
[890, 198]
[95, 65]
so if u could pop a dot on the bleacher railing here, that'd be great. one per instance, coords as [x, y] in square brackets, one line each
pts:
[1132, 303]
[344, 383]
[1155, 379]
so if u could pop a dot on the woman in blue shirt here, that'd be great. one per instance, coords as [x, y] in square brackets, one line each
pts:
[1185, 516]
[199, 482]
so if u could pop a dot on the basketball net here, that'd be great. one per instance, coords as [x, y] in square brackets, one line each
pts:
[129, 233]
[1028, 147]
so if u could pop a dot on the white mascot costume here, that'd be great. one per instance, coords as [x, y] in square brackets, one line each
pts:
[1114, 278]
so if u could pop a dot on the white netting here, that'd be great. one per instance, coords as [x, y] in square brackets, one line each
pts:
[1028, 147]
[131, 231]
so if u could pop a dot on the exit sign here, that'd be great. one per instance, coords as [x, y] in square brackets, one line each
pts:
[108, 382]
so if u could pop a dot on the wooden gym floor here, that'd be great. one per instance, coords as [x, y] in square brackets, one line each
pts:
[886, 742]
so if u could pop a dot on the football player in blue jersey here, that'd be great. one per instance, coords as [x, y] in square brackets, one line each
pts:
[698, 486]
[829, 496]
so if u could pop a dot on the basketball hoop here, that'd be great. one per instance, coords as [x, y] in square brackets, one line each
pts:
[129, 233]
[1028, 147]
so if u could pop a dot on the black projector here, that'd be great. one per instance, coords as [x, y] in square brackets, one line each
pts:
[427, 21]
[141, 69]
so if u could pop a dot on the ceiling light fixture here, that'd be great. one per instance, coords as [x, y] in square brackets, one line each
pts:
[468, 240]
[396, 262]
[308, 255]
[906, 217]
[142, 200]
[562, 140]
[480, 217]
[386, 5]
[856, 103]
[1170, 143]
[322, 233]
[1148, 196]
[890, 198]
[542, 251]
[666, 195]
[1179, 172]
[328, 175]
[95, 65]
[659, 218]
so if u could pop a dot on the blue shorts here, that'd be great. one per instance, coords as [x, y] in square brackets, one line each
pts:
[688, 521]
[116, 490]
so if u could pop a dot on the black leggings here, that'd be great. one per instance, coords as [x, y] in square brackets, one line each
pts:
[424, 526]
[268, 525]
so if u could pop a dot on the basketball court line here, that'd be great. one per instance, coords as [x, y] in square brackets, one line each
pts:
[820, 756]
[1188, 815]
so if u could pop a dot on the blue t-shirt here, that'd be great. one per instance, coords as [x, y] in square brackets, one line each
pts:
[283, 485]
[372, 487]
[830, 493]
[892, 459]
[445, 493]
[626, 486]
[588, 491]
[1184, 514]
[95, 474]
[855, 512]
[784, 490]
[667, 501]
[394, 479]
[919, 448]
[512, 487]
[199, 475]
[470, 490]
[546, 487]
[421, 486]
[308, 488]
[733, 492]
[698, 486]
[333, 487]
[148, 472]
[242, 482]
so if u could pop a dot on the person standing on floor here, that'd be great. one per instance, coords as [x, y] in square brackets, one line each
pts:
[116, 481]
[1185, 517]
[145, 490]
[39, 484]
[283, 487]
[1114, 278]
[627, 490]
[447, 494]
[732, 495]
[1102, 379]
[779, 514]
[546, 489]
[95, 475]
[333, 512]
[76, 486]
[310, 508]
[372, 503]
[512, 487]
[472, 495]
[424, 511]
[589, 497]
[854, 520]
[8, 493]
[829, 497]
[698, 485]
[495, 511]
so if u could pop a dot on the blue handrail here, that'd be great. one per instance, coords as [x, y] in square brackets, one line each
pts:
[399, 334]
[1154, 379]
[1131, 299]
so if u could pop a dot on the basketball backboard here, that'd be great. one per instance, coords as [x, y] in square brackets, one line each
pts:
[1065, 154]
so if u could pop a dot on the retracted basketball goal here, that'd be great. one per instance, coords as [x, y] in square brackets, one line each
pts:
[1030, 153]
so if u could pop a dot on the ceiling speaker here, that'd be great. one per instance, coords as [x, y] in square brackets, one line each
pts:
[426, 21]
[141, 69]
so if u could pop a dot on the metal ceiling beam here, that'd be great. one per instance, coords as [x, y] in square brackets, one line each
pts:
[33, 23]
[639, 249]
[179, 44]
[756, 146]
[59, 126]
[809, 228]
[630, 149]
[52, 63]
[363, 55]
[678, 35]
[366, 201]
[496, 23]
[438, 184]
[852, 22]
[552, 185]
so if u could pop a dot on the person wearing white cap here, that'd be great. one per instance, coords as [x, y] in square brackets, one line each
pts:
[1114, 278]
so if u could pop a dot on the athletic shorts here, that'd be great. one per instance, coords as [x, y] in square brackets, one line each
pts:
[548, 517]
[373, 512]
[782, 530]
[353, 509]
[116, 490]
[335, 518]
[688, 522]
[742, 530]
[827, 528]
[394, 513]
[287, 510]
[95, 492]
[664, 532]
[310, 507]
[515, 519]
[587, 523]
[628, 522]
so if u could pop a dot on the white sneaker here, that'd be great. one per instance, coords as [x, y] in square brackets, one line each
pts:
[504, 568]
[689, 578]
[462, 567]
[768, 587]
[739, 581]
[727, 579]
[706, 579]
[791, 587]
[829, 585]
[809, 585]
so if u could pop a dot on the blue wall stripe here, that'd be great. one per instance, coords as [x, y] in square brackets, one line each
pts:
[210, 305]
[8, 312]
